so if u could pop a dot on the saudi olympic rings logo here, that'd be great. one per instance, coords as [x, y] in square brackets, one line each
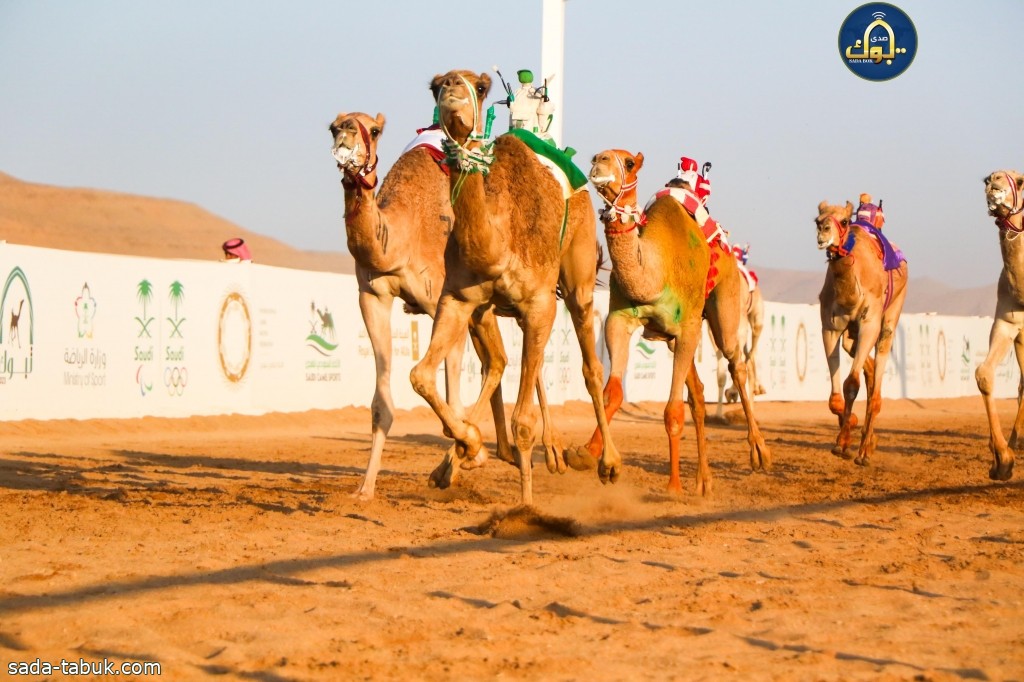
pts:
[175, 379]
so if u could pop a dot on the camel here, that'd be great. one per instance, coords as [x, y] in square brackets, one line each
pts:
[517, 238]
[649, 289]
[326, 322]
[398, 241]
[1004, 192]
[860, 304]
[751, 325]
[15, 324]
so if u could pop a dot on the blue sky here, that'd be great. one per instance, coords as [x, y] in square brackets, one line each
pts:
[225, 104]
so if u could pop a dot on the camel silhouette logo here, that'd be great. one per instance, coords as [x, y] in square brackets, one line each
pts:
[322, 332]
[877, 41]
[17, 332]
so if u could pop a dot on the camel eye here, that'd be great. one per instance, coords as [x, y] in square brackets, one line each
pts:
[629, 164]
[374, 132]
[481, 89]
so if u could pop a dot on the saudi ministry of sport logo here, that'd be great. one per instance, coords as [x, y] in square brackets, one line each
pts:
[877, 41]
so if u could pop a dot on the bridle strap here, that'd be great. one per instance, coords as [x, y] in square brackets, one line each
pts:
[621, 214]
[841, 250]
[353, 178]
[1005, 224]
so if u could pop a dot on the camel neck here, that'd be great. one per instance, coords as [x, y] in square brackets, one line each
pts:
[482, 249]
[366, 229]
[636, 263]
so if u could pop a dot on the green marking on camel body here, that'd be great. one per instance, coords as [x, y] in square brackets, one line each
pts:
[666, 310]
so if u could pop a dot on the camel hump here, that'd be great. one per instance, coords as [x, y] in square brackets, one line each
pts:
[695, 207]
[558, 161]
[890, 255]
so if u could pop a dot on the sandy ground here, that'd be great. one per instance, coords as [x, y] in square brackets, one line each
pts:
[230, 548]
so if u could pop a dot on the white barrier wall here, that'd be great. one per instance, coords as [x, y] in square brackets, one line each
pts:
[93, 335]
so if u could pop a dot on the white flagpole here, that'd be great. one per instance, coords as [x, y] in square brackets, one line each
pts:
[552, 60]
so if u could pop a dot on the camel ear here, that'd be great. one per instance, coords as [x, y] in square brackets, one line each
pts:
[822, 206]
[380, 122]
[639, 158]
[849, 209]
[435, 85]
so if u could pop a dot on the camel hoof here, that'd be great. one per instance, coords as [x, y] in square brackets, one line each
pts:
[361, 495]
[608, 474]
[704, 488]
[443, 475]
[761, 458]
[580, 459]
[555, 459]
[506, 455]
[760, 390]
[862, 460]
[841, 452]
[482, 455]
[1001, 473]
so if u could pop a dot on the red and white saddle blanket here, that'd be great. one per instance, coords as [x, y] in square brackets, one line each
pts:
[695, 207]
[748, 275]
[430, 139]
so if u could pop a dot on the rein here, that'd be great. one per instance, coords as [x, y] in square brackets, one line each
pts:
[358, 177]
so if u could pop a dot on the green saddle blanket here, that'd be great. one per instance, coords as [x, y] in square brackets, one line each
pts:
[574, 175]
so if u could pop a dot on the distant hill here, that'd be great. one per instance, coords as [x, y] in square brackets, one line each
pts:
[111, 222]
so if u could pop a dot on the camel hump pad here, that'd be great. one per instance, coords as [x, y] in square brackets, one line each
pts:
[558, 161]
[692, 204]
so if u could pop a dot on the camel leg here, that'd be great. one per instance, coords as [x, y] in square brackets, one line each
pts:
[578, 276]
[538, 317]
[618, 329]
[999, 340]
[867, 337]
[724, 325]
[697, 411]
[376, 312]
[486, 336]
[450, 326]
[756, 318]
[682, 364]
[553, 451]
[876, 370]
[831, 338]
[1017, 434]
[721, 373]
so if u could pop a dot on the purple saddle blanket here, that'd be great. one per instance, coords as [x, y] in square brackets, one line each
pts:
[891, 256]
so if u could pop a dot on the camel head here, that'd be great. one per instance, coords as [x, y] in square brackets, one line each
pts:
[1004, 192]
[832, 223]
[614, 171]
[355, 147]
[460, 99]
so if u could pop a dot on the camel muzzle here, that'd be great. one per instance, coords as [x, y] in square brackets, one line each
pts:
[345, 156]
